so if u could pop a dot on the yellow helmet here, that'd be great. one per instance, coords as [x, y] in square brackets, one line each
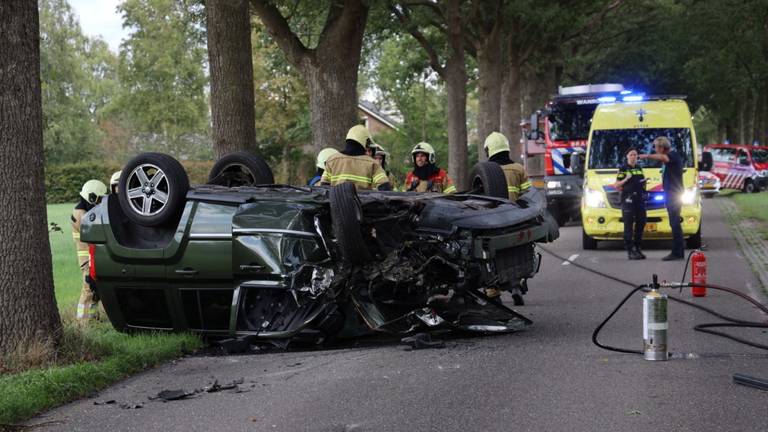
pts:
[496, 143]
[115, 179]
[92, 190]
[324, 155]
[423, 147]
[360, 134]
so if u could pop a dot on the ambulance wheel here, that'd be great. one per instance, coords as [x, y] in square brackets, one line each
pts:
[347, 219]
[240, 169]
[153, 189]
[694, 241]
[587, 242]
[488, 178]
[749, 187]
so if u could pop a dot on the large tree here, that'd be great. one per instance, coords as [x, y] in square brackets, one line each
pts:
[326, 55]
[229, 56]
[29, 312]
[446, 16]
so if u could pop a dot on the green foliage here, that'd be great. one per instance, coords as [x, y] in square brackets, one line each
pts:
[77, 81]
[162, 105]
[63, 182]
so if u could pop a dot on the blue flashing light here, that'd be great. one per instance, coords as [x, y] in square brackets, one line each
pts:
[658, 197]
[626, 92]
[606, 99]
[632, 98]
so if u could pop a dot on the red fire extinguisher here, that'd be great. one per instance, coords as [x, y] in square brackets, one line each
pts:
[698, 274]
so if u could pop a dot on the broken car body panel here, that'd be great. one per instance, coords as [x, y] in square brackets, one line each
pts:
[264, 262]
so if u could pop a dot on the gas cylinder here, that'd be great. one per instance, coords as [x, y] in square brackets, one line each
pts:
[698, 274]
[655, 326]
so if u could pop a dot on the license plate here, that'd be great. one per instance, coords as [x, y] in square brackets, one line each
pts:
[651, 227]
[554, 192]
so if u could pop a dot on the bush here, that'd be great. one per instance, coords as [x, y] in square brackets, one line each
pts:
[63, 182]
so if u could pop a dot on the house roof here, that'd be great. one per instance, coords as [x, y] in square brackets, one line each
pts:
[370, 109]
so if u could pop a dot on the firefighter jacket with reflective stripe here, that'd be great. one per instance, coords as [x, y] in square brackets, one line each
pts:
[82, 248]
[517, 180]
[437, 182]
[363, 171]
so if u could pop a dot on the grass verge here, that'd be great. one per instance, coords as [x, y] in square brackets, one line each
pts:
[754, 207]
[89, 358]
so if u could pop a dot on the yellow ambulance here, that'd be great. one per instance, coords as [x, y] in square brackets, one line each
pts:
[635, 122]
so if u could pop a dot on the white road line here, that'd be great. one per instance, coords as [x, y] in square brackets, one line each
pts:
[570, 259]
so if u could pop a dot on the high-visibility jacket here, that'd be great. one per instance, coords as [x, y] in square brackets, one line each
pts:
[517, 180]
[362, 170]
[87, 304]
[437, 182]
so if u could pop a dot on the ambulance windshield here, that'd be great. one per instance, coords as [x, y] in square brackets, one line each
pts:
[607, 148]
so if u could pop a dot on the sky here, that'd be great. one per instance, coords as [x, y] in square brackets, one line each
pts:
[100, 17]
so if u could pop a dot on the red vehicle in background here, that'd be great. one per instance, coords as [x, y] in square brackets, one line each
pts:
[558, 134]
[741, 167]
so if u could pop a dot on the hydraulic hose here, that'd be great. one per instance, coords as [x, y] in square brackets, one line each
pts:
[704, 328]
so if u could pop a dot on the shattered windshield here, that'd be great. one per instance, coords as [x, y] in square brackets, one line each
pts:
[569, 122]
[607, 148]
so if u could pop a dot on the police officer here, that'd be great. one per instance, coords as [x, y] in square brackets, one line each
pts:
[90, 195]
[320, 164]
[496, 147]
[353, 165]
[426, 176]
[631, 182]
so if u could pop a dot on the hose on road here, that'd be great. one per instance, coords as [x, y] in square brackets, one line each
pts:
[704, 328]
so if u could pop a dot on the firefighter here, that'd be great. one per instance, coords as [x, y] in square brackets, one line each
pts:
[631, 182]
[426, 176]
[496, 147]
[353, 165]
[90, 195]
[382, 156]
[320, 164]
[114, 181]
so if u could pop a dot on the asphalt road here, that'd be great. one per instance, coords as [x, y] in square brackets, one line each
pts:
[547, 378]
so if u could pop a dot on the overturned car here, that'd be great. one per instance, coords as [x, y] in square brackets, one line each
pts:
[243, 257]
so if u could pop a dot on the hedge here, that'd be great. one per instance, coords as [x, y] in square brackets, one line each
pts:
[63, 182]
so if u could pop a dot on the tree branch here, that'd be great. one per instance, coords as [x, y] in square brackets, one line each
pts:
[281, 32]
[405, 19]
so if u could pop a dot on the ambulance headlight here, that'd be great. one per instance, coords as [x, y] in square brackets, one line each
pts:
[594, 198]
[690, 196]
[553, 184]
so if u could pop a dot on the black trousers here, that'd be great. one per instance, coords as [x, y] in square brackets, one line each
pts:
[634, 215]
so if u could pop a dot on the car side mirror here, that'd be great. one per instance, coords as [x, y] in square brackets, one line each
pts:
[706, 161]
[577, 164]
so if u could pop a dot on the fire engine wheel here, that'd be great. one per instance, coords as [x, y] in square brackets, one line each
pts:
[489, 179]
[153, 189]
[587, 242]
[749, 187]
[694, 241]
[240, 169]
[347, 218]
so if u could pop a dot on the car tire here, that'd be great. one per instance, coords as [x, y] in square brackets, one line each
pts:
[694, 241]
[518, 300]
[147, 199]
[749, 187]
[240, 169]
[347, 218]
[587, 242]
[708, 196]
[561, 217]
[488, 177]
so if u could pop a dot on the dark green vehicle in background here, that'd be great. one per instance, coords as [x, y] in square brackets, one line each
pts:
[243, 257]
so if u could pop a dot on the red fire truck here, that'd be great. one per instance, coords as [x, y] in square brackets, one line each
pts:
[559, 133]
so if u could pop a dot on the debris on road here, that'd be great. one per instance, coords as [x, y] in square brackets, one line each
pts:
[421, 341]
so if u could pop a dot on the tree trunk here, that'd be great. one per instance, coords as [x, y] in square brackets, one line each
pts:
[511, 99]
[490, 64]
[456, 85]
[29, 313]
[331, 79]
[749, 126]
[742, 113]
[231, 65]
